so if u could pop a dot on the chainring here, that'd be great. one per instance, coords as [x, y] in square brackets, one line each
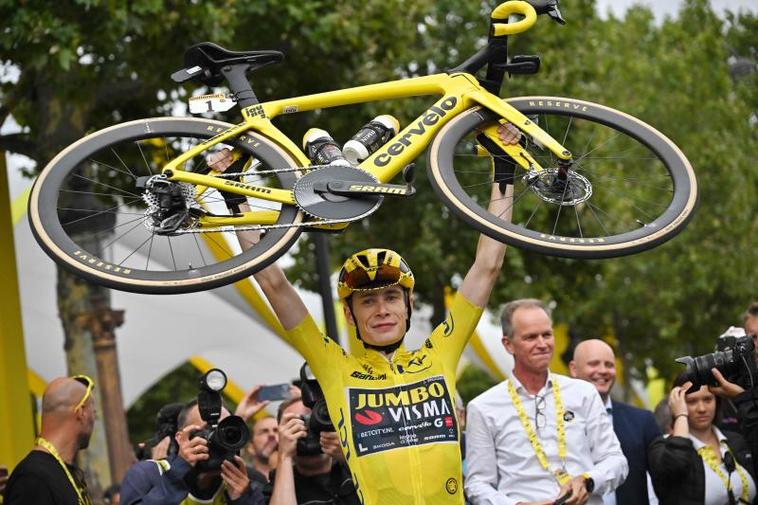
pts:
[324, 205]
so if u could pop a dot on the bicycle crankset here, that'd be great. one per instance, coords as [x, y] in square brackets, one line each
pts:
[313, 195]
[564, 188]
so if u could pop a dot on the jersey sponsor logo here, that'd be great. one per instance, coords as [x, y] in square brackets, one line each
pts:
[368, 417]
[418, 364]
[401, 416]
[367, 376]
[448, 325]
[451, 486]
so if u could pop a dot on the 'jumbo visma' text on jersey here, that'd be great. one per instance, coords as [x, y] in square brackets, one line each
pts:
[396, 419]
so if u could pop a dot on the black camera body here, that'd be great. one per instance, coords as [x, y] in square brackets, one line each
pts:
[318, 420]
[734, 358]
[225, 437]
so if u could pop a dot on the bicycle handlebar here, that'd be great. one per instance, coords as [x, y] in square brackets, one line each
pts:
[504, 10]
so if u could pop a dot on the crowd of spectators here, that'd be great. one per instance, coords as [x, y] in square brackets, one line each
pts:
[535, 438]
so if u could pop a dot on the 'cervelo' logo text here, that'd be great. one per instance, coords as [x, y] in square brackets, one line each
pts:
[430, 118]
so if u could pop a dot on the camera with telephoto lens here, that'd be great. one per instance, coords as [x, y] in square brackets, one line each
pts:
[226, 436]
[734, 358]
[318, 420]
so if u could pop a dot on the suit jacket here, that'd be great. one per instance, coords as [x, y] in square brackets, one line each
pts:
[635, 429]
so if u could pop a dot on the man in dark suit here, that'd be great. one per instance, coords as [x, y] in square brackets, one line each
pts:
[635, 428]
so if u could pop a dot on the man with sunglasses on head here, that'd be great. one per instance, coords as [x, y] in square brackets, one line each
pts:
[393, 408]
[47, 475]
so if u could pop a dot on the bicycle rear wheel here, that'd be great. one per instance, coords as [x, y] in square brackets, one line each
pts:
[87, 214]
[630, 188]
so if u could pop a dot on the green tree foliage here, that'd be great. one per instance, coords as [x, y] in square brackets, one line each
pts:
[87, 64]
[472, 382]
[660, 304]
[179, 385]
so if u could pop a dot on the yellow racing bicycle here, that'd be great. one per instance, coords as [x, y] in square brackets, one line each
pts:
[136, 207]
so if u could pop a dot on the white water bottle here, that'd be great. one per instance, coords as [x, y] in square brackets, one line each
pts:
[370, 137]
[322, 149]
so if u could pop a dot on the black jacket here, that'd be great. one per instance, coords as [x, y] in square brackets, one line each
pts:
[677, 470]
[635, 429]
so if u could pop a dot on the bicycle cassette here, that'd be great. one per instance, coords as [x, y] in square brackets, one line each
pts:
[313, 197]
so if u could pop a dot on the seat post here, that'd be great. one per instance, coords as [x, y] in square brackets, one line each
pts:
[236, 77]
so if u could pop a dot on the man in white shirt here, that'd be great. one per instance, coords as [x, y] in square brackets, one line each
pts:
[539, 438]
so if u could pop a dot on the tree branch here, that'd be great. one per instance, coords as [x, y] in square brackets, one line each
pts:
[19, 143]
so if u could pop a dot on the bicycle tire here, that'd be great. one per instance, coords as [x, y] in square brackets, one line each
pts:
[450, 174]
[146, 140]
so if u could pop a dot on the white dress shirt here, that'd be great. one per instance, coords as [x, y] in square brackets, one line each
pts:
[609, 498]
[503, 468]
[715, 492]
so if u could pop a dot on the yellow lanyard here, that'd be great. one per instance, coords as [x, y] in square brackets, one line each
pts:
[561, 475]
[709, 457]
[81, 499]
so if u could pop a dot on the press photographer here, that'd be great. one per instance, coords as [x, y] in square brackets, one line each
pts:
[311, 465]
[699, 463]
[734, 358]
[207, 467]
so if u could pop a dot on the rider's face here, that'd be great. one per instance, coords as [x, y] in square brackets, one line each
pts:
[379, 315]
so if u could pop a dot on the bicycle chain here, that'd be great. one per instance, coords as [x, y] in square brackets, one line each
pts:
[308, 224]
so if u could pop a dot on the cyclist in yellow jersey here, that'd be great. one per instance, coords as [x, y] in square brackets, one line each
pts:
[394, 408]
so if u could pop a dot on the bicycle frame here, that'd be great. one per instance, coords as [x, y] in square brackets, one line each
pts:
[458, 91]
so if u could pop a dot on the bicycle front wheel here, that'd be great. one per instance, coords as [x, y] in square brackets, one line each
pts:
[629, 189]
[88, 214]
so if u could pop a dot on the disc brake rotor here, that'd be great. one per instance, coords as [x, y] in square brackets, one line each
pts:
[324, 205]
[548, 186]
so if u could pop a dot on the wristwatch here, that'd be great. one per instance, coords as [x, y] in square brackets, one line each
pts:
[589, 483]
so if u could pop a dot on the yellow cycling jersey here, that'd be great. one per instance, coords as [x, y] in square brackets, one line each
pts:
[396, 418]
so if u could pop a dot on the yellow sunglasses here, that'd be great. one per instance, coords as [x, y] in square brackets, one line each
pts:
[89, 383]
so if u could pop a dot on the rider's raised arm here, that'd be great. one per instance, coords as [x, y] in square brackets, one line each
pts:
[284, 299]
[280, 293]
[481, 277]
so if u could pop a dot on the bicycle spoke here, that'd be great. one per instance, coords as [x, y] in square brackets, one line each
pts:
[150, 239]
[536, 207]
[199, 249]
[149, 251]
[147, 165]
[122, 162]
[171, 248]
[107, 185]
[602, 226]
[99, 213]
[578, 223]
[122, 235]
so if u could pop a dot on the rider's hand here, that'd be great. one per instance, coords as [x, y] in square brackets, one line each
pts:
[725, 388]
[192, 450]
[291, 428]
[330, 444]
[249, 406]
[508, 134]
[235, 477]
[220, 160]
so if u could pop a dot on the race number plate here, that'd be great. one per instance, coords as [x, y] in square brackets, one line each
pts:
[218, 102]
